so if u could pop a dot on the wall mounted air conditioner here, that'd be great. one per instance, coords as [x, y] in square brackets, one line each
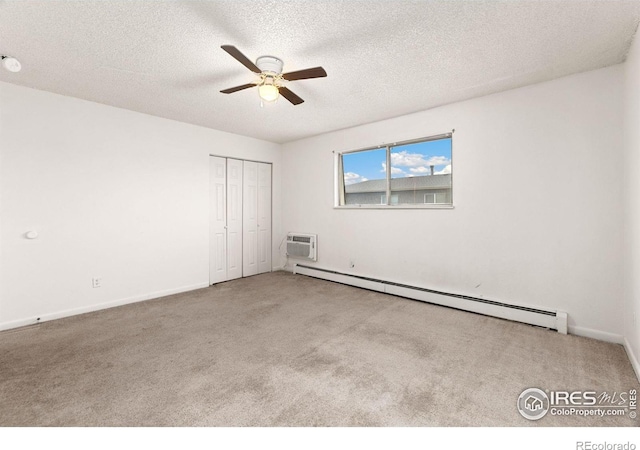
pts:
[302, 246]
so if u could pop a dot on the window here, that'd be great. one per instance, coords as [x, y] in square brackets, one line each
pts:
[435, 198]
[413, 174]
[394, 200]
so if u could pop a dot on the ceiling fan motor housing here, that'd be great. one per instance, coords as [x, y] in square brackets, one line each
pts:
[269, 64]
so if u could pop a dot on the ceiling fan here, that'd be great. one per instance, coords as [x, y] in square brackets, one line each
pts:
[271, 82]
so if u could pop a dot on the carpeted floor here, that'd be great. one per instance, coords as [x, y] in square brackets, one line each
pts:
[285, 350]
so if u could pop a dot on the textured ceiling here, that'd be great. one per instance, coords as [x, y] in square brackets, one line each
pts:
[383, 58]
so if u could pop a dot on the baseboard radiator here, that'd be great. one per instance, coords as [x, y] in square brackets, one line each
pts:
[546, 318]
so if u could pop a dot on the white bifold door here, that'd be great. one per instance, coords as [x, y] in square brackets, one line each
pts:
[256, 218]
[234, 219]
[264, 218]
[217, 220]
[240, 219]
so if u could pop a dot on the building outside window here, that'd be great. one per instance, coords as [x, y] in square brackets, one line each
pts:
[414, 173]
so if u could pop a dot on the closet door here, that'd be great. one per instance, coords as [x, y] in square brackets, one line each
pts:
[264, 218]
[234, 219]
[217, 220]
[250, 219]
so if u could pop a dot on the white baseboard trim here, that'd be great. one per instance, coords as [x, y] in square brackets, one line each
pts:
[98, 307]
[596, 334]
[632, 357]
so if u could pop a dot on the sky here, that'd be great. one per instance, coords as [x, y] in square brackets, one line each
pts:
[406, 161]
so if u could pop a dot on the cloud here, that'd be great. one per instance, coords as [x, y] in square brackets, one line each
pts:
[394, 170]
[417, 164]
[447, 169]
[420, 170]
[352, 178]
[438, 161]
[406, 159]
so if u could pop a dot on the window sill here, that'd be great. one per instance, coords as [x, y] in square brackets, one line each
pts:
[394, 207]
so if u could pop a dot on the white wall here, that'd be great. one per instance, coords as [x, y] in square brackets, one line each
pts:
[113, 193]
[537, 194]
[632, 204]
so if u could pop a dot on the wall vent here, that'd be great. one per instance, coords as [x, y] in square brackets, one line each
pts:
[302, 246]
[541, 317]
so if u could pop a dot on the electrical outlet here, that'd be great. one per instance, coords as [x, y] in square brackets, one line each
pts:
[96, 282]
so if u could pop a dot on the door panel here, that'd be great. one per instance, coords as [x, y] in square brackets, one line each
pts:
[234, 218]
[264, 218]
[219, 260]
[249, 219]
[217, 220]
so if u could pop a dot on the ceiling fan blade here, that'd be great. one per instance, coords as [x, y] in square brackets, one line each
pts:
[237, 88]
[315, 72]
[293, 98]
[237, 54]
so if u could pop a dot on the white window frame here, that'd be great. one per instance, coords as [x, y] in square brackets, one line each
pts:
[339, 197]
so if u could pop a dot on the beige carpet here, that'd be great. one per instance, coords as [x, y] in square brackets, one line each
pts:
[285, 350]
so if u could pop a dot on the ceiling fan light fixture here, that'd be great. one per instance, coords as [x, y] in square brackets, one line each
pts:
[268, 91]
